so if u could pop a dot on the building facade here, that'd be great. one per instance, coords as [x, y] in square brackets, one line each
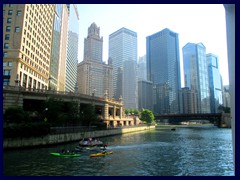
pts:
[72, 48]
[188, 101]
[145, 95]
[196, 74]
[123, 52]
[94, 77]
[215, 83]
[57, 77]
[163, 69]
[142, 68]
[27, 44]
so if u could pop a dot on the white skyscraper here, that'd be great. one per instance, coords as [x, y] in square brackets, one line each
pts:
[123, 52]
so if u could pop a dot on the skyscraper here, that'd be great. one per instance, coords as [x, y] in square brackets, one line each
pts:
[94, 77]
[215, 84]
[142, 68]
[196, 74]
[123, 52]
[28, 41]
[72, 48]
[163, 69]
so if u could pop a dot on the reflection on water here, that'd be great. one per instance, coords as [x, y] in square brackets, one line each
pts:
[196, 151]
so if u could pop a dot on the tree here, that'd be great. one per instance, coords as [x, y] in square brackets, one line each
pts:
[89, 116]
[16, 115]
[147, 116]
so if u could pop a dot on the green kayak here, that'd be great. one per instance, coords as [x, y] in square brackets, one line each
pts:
[64, 155]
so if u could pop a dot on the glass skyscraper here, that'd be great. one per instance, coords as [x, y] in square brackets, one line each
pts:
[215, 84]
[163, 69]
[72, 48]
[196, 74]
[123, 52]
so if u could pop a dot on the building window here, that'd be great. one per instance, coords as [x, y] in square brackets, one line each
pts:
[3, 12]
[6, 72]
[17, 29]
[4, 64]
[8, 28]
[5, 45]
[6, 81]
[19, 13]
[5, 54]
[10, 64]
[7, 36]
[10, 5]
[10, 12]
[9, 20]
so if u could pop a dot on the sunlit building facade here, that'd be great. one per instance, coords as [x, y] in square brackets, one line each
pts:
[57, 77]
[163, 69]
[27, 44]
[94, 77]
[215, 83]
[72, 48]
[196, 74]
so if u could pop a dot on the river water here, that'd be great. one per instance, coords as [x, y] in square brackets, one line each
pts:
[191, 151]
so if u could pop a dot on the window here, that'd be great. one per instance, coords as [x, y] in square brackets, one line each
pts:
[6, 81]
[8, 28]
[9, 20]
[5, 64]
[17, 29]
[10, 5]
[7, 36]
[10, 12]
[5, 45]
[19, 13]
[6, 72]
[3, 12]
[5, 54]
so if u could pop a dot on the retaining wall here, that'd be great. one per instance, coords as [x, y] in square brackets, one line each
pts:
[61, 138]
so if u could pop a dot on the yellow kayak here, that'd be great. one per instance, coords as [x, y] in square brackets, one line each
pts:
[101, 154]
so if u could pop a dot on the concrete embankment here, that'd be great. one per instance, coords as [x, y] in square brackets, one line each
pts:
[62, 138]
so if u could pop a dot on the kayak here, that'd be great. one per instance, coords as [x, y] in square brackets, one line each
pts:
[100, 154]
[64, 155]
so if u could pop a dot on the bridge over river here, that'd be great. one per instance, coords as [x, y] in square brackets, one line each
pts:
[220, 119]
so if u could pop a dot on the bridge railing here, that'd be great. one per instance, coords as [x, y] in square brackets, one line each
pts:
[54, 92]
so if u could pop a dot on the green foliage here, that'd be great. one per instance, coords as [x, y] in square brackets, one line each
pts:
[16, 115]
[132, 111]
[89, 116]
[26, 130]
[221, 108]
[147, 116]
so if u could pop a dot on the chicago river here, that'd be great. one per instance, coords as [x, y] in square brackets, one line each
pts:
[188, 151]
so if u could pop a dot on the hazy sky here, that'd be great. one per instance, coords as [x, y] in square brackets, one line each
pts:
[194, 23]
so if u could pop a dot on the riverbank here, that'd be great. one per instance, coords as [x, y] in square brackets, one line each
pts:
[170, 126]
[51, 139]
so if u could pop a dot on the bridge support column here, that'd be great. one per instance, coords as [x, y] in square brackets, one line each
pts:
[105, 115]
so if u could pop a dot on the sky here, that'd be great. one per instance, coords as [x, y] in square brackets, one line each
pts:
[194, 23]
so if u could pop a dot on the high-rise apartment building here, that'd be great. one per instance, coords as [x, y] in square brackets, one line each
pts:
[27, 44]
[196, 74]
[215, 83]
[94, 77]
[123, 52]
[72, 48]
[163, 69]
